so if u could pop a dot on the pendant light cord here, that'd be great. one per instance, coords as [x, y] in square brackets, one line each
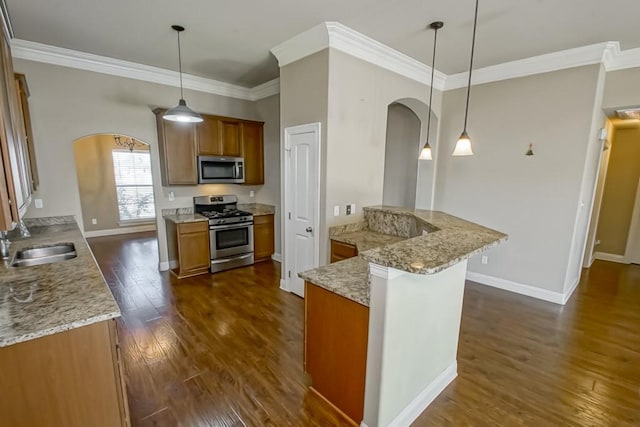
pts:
[473, 46]
[180, 65]
[433, 71]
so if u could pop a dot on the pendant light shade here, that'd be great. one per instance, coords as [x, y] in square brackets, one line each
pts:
[463, 146]
[425, 153]
[181, 113]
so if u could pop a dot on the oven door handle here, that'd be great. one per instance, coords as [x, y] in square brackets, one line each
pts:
[230, 226]
[220, 261]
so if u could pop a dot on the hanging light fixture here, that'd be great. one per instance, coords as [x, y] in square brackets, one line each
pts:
[425, 154]
[463, 146]
[181, 113]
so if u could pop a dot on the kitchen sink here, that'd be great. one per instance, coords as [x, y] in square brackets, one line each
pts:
[44, 255]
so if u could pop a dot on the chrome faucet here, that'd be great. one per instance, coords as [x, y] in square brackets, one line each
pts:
[4, 245]
[24, 231]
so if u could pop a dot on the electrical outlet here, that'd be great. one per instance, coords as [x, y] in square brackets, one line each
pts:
[252, 193]
[336, 210]
[597, 243]
[171, 196]
[38, 203]
[94, 221]
[348, 211]
[485, 259]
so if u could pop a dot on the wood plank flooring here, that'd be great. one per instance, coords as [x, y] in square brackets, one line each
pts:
[226, 350]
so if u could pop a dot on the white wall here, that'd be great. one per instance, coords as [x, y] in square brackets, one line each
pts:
[401, 157]
[534, 199]
[67, 104]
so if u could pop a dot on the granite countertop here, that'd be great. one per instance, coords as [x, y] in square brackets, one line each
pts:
[257, 209]
[45, 299]
[411, 240]
[365, 240]
[348, 278]
[181, 218]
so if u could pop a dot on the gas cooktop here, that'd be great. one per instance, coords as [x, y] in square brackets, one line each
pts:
[230, 213]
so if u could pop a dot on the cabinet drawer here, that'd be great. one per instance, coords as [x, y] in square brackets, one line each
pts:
[193, 227]
[341, 250]
[263, 219]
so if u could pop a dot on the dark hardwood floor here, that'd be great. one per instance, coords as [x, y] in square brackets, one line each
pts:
[226, 349]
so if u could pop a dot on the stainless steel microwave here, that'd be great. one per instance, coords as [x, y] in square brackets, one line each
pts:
[220, 170]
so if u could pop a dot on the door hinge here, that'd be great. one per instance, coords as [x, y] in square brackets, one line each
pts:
[289, 274]
[289, 215]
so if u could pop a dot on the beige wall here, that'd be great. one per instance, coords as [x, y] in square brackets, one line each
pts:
[623, 173]
[622, 89]
[96, 181]
[401, 157]
[67, 104]
[535, 199]
[359, 96]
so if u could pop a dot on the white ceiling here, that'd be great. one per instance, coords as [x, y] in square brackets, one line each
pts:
[230, 40]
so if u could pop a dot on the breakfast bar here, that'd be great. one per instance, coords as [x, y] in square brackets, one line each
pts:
[382, 327]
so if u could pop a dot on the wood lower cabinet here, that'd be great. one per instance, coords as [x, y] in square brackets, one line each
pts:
[72, 378]
[263, 237]
[193, 249]
[334, 356]
[340, 251]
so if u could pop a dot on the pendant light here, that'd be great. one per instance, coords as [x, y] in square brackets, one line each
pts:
[463, 146]
[425, 154]
[181, 113]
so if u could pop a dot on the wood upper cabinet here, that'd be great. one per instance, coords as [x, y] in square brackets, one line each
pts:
[230, 137]
[23, 99]
[253, 152]
[263, 237]
[193, 249]
[16, 175]
[178, 152]
[209, 137]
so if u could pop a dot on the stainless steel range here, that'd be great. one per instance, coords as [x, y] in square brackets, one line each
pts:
[230, 231]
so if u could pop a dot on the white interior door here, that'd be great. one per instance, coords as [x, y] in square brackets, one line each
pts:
[632, 252]
[302, 203]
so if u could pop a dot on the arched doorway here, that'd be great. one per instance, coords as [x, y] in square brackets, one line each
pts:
[115, 184]
[407, 181]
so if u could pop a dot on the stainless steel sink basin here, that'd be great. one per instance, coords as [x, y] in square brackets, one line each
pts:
[44, 255]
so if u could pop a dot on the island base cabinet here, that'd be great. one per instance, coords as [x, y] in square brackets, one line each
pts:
[336, 357]
[72, 378]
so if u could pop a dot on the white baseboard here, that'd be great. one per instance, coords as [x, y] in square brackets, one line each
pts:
[283, 285]
[611, 257]
[168, 265]
[426, 396]
[569, 292]
[518, 288]
[276, 257]
[116, 231]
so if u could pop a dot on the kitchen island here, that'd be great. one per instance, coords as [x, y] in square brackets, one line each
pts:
[381, 329]
[58, 340]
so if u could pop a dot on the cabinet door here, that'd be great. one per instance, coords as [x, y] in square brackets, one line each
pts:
[23, 98]
[9, 200]
[193, 247]
[230, 138]
[209, 137]
[253, 153]
[340, 251]
[263, 237]
[177, 151]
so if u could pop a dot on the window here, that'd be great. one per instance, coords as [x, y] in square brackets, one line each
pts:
[134, 187]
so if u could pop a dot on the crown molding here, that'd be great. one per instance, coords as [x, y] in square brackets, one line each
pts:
[340, 37]
[615, 59]
[570, 58]
[265, 90]
[39, 52]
